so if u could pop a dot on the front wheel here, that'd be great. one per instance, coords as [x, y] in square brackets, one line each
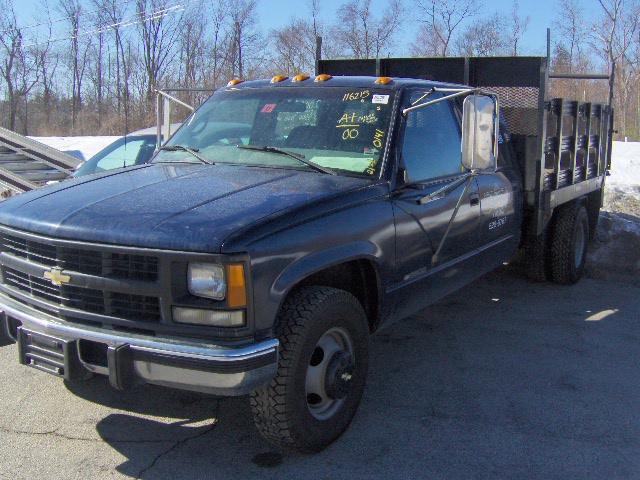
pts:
[322, 369]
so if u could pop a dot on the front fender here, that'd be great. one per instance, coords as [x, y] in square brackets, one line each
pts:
[321, 260]
[282, 260]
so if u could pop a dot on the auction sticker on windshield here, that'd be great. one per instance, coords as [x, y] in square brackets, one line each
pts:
[384, 99]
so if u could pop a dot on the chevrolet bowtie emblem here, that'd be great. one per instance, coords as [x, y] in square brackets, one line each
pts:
[56, 277]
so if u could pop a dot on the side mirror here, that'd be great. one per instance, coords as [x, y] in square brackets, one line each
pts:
[480, 132]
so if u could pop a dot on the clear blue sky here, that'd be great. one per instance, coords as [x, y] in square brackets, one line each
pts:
[274, 13]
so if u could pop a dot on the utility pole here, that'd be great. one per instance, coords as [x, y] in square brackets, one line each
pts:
[318, 52]
[239, 48]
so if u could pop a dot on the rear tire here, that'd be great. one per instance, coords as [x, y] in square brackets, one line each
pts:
[322, 368]
[569, 241]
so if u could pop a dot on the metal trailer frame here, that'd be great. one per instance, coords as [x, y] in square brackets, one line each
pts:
[564, 147]
[26, 164]
[164, 100]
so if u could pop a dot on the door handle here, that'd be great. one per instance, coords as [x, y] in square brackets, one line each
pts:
[474, 199]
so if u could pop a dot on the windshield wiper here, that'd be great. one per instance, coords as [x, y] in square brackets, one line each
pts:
[298, 156]
[190, 150]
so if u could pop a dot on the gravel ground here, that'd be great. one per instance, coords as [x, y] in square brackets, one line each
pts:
[508, 379]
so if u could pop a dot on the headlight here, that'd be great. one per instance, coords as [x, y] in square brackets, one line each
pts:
[207, 280]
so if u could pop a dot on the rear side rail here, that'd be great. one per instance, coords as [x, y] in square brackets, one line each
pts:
[576, 149]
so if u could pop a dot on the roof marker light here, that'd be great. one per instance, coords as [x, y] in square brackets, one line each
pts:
[383, 80]
[279, 78]
[234, 81]
[323, 77]
[301, 77]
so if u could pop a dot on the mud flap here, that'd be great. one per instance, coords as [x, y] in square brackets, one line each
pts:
[5, 339]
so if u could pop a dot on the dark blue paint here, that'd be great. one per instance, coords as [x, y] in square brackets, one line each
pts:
[173, 206]
[292, 223]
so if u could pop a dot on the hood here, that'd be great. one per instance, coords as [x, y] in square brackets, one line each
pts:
[172, 206]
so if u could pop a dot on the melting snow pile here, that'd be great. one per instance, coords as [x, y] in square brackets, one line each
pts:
[616, 249]
[80, 147]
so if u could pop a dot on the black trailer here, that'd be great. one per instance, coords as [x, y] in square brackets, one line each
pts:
[563, 146]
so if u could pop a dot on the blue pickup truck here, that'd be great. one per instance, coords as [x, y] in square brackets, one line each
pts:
[288, 219]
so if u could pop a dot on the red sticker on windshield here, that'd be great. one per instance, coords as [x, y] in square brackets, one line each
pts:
[268, 108]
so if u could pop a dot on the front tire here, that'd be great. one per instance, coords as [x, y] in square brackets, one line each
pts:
[322, 369]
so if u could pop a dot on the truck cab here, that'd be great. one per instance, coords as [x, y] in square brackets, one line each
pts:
[283, 223]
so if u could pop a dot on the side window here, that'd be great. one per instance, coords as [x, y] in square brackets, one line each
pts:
[123, 156]
[431, 145]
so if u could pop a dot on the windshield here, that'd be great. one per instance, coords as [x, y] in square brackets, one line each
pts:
[124, 152]
[342, 130]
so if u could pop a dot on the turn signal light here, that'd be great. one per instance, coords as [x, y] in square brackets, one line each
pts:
[300, 78]
[234, 81]
[383, 80]
[323, 77]
[279, 78]
[236, 286]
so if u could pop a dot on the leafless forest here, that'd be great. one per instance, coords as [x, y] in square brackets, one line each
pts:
[99, 75]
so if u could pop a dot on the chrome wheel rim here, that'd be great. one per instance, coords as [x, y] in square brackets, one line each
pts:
[333, 347]
[579, 246]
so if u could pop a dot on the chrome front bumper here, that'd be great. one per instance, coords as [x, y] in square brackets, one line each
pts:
[55, 346]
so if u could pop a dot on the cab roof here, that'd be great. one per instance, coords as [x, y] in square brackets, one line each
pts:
[346, 81]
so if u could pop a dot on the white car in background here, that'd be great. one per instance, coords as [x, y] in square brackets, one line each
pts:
[135, 148]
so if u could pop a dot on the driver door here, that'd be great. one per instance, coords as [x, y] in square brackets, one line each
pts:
[425, 220]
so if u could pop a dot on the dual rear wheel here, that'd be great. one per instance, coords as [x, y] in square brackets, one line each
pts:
[560, 253]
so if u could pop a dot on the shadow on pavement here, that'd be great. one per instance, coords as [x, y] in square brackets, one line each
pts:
[507, 378]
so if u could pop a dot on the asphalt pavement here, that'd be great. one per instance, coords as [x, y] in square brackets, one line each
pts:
[505, 379]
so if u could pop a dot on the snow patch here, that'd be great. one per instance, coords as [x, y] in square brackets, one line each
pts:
[81, 147]
[615, 252]
[625, 167]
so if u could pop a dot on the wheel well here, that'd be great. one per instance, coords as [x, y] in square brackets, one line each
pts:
[358, 277]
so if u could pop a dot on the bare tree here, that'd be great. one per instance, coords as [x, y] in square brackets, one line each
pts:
[158, 30]
[243, 19]
[78, 53]
[314, 9]
[363, 35]
[440, 20]
[111, 15]
[615, 30]
[48, 63]
[97, 75]
[294, 47]
[19, 64]
[484, 37]
[192, 48]
[573, 30]
[218, 43]
[614, 35]
[519, 26]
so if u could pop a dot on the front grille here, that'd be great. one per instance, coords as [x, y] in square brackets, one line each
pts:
[127, 306]
[123, 266]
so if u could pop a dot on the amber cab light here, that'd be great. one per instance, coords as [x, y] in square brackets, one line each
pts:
[279, 78]
[234, 81]
[301, 77]
[323, 77]
[383, 80]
